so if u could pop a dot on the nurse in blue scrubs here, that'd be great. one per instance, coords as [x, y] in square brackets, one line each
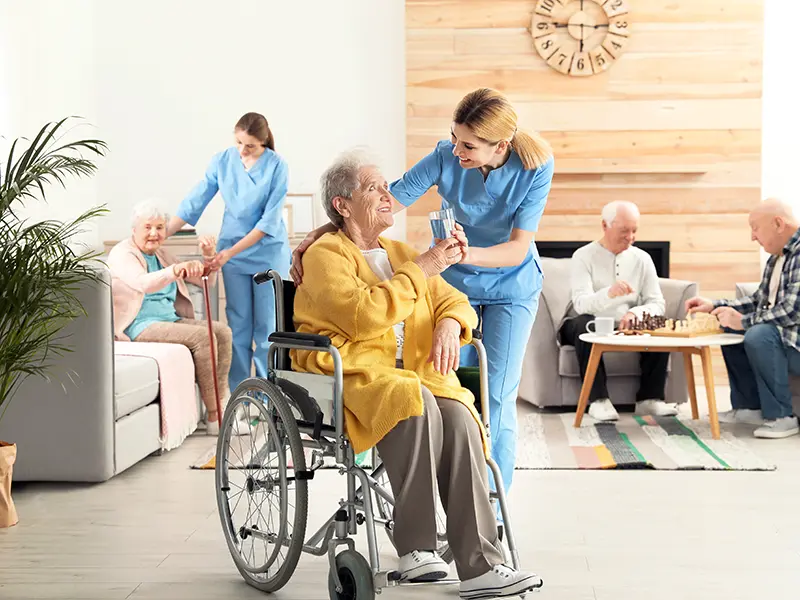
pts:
[496, 178]
[252, 180]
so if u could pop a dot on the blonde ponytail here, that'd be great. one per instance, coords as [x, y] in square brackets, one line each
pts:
[533, 149]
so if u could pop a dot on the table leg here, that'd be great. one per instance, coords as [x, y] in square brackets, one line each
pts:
[688, 368]
[708, 376]
[588, 381]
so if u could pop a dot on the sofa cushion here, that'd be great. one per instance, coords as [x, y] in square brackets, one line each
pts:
[135, 383]
[617, 364]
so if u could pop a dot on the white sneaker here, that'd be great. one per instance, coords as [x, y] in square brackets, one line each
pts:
[240, 427]
[422, 565]
[778, 428]
[603, 410]
[500, 582]
[656, 408]
[748, 416]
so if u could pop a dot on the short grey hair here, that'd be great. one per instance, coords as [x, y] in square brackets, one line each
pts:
[341, 179]
[611, 210]
[147, 209]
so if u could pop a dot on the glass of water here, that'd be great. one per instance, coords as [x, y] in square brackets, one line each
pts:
[442, 223]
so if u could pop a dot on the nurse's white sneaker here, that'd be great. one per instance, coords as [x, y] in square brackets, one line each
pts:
[500, 582]
[422, 565]
[656, 408]
[603, 410]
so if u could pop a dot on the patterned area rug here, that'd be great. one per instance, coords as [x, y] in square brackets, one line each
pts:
[549, 441]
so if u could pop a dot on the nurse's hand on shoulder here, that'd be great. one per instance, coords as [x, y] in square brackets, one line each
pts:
[446, 349]
[436, 259]
[190, 268]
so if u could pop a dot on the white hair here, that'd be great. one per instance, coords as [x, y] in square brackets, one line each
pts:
[611, 210]
[147, 209]
[341, 179]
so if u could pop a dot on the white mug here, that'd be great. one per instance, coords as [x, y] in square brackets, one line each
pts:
[602, 326]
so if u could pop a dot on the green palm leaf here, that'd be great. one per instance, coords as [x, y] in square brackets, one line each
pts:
[41, 267]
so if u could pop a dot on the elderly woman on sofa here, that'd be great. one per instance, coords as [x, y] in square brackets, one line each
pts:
[399, 327]
[152, 302]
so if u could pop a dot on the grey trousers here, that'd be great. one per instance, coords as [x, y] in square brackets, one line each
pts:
[444, 445]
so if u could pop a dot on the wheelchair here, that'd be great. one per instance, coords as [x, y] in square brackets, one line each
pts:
[262, 478]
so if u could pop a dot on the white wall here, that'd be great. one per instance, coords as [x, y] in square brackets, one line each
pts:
[781, 121]
[163, 82]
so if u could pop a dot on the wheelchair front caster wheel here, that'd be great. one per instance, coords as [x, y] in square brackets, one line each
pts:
[355, 575]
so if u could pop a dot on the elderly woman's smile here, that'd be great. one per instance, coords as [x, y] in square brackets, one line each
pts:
[149, 234]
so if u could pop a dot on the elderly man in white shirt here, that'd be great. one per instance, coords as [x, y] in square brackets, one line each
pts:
[612, 278]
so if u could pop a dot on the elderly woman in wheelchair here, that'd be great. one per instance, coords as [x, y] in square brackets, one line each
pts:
[376, 315]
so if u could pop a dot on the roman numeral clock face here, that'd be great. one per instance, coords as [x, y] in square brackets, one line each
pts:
[580, 37]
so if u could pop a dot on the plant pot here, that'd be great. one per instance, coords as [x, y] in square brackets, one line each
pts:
[8, 455]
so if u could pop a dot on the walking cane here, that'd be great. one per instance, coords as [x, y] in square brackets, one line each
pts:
[211, 342]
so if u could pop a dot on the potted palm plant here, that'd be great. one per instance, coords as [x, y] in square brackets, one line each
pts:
[41, 268]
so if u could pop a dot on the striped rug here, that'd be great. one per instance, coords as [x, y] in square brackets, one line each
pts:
[549, 441]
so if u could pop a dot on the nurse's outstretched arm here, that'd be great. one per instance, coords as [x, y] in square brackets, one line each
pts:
[525, 225]
[196, 201]
[418, 180]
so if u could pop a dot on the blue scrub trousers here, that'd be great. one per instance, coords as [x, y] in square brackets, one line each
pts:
[250, 309]
[506, 330]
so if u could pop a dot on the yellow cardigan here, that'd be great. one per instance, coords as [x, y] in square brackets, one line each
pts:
[342, 298]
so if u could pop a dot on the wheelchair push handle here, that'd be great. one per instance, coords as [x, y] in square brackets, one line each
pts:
[265, 276]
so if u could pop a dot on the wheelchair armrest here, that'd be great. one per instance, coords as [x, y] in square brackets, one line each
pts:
[305, 340]
[476, 334]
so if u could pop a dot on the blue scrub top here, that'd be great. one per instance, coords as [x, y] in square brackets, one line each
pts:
[253, 199]
[510, 198]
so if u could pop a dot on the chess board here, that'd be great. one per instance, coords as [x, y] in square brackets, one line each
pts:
[696, 325]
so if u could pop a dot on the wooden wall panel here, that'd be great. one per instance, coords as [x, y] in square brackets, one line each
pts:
[674, 125]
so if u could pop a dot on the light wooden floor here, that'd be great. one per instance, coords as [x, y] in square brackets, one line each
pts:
[153, 532]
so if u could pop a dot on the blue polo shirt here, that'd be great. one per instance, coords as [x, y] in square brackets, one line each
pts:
[511, 197]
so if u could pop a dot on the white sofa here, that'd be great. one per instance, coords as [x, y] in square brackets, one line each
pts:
[100, 421]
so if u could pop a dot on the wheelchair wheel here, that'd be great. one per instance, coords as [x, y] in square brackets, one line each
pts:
[262, 506]
[385, 512]
[355, 576]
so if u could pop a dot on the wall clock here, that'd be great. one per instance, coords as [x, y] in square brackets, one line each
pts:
[580, 37]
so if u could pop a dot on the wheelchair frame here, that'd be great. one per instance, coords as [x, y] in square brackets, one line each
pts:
[358, 507]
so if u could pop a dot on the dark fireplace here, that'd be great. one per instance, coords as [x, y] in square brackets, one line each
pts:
[658, 251]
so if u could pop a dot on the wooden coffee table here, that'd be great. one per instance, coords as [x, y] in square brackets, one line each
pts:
[688, 346]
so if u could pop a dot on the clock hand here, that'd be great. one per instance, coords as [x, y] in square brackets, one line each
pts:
[581, 37]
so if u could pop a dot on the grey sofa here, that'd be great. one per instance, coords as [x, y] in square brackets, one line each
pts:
[550, 375]
[96, 423]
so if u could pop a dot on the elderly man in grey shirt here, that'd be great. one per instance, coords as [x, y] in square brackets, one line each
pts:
[612, 278]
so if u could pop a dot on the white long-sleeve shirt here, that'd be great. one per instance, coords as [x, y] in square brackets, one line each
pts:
[595, 270]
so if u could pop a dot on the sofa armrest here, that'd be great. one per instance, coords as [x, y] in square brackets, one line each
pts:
[676, 292]
[540, 383]
[746, 288]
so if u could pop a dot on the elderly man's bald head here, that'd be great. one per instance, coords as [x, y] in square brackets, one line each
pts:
[773, 224]
[774, 207]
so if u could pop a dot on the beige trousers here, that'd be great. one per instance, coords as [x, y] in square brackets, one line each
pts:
[443, 445]
[194, 335]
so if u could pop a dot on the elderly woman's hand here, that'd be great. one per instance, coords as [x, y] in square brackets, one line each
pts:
[446, 350]
[439, 257]
[190, 268]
